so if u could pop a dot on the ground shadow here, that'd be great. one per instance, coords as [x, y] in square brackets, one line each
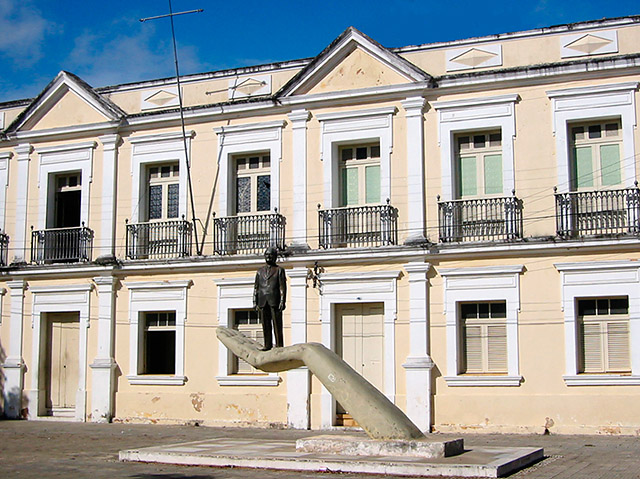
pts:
[170, 476]
[3, 356]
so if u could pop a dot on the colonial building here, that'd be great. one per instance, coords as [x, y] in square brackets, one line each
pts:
[458, 220]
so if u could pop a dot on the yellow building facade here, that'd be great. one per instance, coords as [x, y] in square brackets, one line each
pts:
[459, 221]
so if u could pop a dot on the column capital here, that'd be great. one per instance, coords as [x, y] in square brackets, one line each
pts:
[23, 151]
[6, 155]
[17, 286]
[414, 105]
[417, 268]
[105, 281]
[109, 141]
[299, 117]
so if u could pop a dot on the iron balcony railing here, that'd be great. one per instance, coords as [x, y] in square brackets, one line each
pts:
[485, 219]
[4, 249]
[248, 234]
[61, 245]
[360, 226]
[159, 240]
[592, 213]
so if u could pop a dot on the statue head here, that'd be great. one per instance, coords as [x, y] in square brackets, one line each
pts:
[271, 255]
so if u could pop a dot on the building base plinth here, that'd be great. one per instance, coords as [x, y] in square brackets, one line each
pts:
[282, 455]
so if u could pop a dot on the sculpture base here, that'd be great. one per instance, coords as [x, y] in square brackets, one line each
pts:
[359, 446]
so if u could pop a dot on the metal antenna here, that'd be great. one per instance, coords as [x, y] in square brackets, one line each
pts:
[184, 133]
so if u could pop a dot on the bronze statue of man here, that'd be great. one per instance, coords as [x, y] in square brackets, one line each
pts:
[269, 297]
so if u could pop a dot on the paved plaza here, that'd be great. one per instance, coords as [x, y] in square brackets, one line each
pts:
[52, 449]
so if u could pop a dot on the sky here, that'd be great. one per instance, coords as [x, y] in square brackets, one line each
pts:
[104, 43]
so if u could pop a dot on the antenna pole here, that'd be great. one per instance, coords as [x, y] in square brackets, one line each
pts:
[184, 133]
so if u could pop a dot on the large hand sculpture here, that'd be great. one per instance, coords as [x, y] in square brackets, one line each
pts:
[379, 417]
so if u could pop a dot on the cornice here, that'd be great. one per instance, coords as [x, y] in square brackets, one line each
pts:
[266, 125]
[591, 90]
[66, 131]
[158, 137]
[72, 147]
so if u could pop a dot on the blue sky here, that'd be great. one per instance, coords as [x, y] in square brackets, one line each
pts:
[105, 44]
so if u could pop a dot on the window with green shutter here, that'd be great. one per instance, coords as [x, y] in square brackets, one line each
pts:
[595, 155]
[479, 164]
[359, 175]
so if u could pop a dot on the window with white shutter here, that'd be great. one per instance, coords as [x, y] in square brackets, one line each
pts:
[483, 337]
[603, 331]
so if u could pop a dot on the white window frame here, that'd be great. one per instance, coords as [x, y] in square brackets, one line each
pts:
[599, 280]
[471, 115]
[485, 284]
[64, 159]
[246, 139]
[59, 299]
[236, 293]
[594, 103]
[350, 127]
[152, 296]
[148, 150]
[359, 287]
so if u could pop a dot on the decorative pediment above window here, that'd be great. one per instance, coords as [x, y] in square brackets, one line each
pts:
[474, 57]
[353, 61]
[583, 44]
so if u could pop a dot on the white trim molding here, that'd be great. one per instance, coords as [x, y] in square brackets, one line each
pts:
[615, 100]
[5, 158]
[157, 148]
[299, 119]
[470, 115]
[14, 367]
[156, 296]
[589, 43]
[58, 299]
[490, 283]
[599, 279]
[248, 138]
[299, 379]
[63, 159]
[359, 287]
[342, 128]
[19, 240]
[473, 57]
[236, 293]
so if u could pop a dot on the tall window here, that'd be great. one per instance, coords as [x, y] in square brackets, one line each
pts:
[159, 343]
[247, 322]
[67, 200]
[164, 191]
[603, 326]
[479, 164]
[253, 183]
[595, 154]
[359, 175]
[483, 337]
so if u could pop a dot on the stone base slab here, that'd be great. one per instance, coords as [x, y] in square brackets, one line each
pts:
[358, 446]
[281, 455]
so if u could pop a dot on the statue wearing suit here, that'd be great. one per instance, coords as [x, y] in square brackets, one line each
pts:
[269, 297]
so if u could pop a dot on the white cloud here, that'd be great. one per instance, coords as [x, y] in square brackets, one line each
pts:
[23, 32]
[102, 58]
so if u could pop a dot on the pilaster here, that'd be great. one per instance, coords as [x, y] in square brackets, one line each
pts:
[418, 365]
[18, 239]
[298, 380]
[106, 240]
[299, 120]
[415, 165]
[104, 364]
[14, 366]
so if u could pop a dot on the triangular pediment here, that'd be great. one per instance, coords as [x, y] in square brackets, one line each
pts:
[65, 102]
[353, 61]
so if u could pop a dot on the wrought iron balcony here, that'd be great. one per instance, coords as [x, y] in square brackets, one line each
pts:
[4, 249]
[61, 245]
[159, 240]
[485, 219]
[593, 213]
[248, 234]
[360, 226]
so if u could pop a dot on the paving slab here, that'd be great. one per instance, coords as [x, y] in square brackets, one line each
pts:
[475, 461]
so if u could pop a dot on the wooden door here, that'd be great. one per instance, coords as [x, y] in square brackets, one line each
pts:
[63, 339]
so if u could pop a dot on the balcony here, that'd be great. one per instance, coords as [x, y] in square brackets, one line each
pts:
[359, 226]
[597, 213]
[486, 219]
[248, 234]
[4, 249]
[159, 240]
[61, 245]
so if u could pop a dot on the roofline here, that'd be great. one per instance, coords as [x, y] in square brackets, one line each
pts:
[554, 29]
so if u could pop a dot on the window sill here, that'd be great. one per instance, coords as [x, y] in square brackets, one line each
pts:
[483, 380]
[159, 380]
[248, 380]
[601, 380]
